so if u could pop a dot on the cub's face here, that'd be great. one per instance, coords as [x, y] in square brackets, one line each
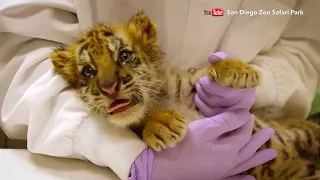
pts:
[113, 68]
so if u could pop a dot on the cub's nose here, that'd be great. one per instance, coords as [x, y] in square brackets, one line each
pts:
[110, 86]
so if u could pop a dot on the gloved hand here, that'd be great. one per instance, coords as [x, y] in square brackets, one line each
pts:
[201, 155]
[212, 98]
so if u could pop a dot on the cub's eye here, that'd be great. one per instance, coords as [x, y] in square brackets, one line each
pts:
[88, 71]
[126, 56]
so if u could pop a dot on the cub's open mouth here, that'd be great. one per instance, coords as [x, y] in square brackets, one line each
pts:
[119, 105]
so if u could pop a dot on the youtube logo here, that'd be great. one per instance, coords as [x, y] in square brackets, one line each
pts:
[214, 12]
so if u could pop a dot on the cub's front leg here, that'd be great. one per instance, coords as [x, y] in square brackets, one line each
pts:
[234, 73]
[164, 128]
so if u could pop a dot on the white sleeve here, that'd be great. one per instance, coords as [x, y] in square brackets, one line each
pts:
[33, 101]
[291, 67]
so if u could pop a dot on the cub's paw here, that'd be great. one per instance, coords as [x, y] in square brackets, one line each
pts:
[164, 128]
[234, 73]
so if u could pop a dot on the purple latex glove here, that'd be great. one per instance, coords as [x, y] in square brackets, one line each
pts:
[212, 98]
[203, 156]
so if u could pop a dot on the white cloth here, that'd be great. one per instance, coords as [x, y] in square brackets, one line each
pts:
[18, 164]
[34, 105]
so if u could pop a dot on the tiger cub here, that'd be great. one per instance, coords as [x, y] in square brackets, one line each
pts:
[116, 71]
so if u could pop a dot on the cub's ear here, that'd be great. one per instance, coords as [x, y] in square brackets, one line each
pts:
[64, 64]
[143, 26]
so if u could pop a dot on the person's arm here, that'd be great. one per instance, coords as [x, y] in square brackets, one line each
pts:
[290, 68]
[34, 103]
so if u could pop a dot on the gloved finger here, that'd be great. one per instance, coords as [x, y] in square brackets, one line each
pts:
[257, 159]
[240, 137]
[209, 129]
[213, 100]
[214, 88]
[240, 177]
[258, 139]
[205, 109]
[218, 56]
[245, 101]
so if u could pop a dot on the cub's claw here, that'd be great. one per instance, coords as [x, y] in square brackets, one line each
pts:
[164, 128]
[234, 73]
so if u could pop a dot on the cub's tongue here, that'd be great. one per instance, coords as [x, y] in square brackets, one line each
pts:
[118, 104]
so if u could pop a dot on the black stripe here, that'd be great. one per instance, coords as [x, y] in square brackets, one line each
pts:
[126, 79]
[192, 87]
[92, 60]
[308, 135]
[128, 86]
[137, 61]
[267, 171]
[163, 93]
[297, 141]
[97, 98]
[122, 44]
[283, 173]
[302, 148]
[107, 33]
[90, 33]
[268, 144]
[178, 87]
[279, 137]
[60, 48]
[294, 173]
[111, 53]
[258, 125]
[137, 97]
[59, 66]
[83, 47]
[270, 163]
[86, 89]
[80, 41]
[99, 40]
[285, 154]
[84, 98]
[95, 92]
[311, 169]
